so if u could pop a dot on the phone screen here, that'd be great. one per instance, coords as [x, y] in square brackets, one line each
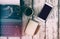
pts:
[45, 11]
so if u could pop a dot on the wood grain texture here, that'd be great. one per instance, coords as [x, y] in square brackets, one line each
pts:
[50, 29]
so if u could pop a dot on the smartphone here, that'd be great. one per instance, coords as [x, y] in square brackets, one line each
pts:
[45, 11]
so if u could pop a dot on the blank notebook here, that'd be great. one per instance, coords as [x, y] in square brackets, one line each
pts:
[31, 27]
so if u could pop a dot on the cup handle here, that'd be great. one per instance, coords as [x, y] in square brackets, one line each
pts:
[10, 12]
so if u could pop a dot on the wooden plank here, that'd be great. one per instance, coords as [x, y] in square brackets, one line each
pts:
[13, 2]
[2, 37]
[26, 37]
[52, 21]
[13, 37]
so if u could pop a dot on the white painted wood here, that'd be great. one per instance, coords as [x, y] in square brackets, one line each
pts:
[51, 24]
[38, 5]
[2, 37]
[53, 2]
[25, 21]
[52, 21]
[13, 37]
[26, 37]
[51, 29]
[12, 2]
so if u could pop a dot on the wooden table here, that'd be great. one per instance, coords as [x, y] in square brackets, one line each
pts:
[48, 30]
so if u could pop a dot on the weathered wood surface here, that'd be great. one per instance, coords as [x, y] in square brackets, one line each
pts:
[48, 30]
